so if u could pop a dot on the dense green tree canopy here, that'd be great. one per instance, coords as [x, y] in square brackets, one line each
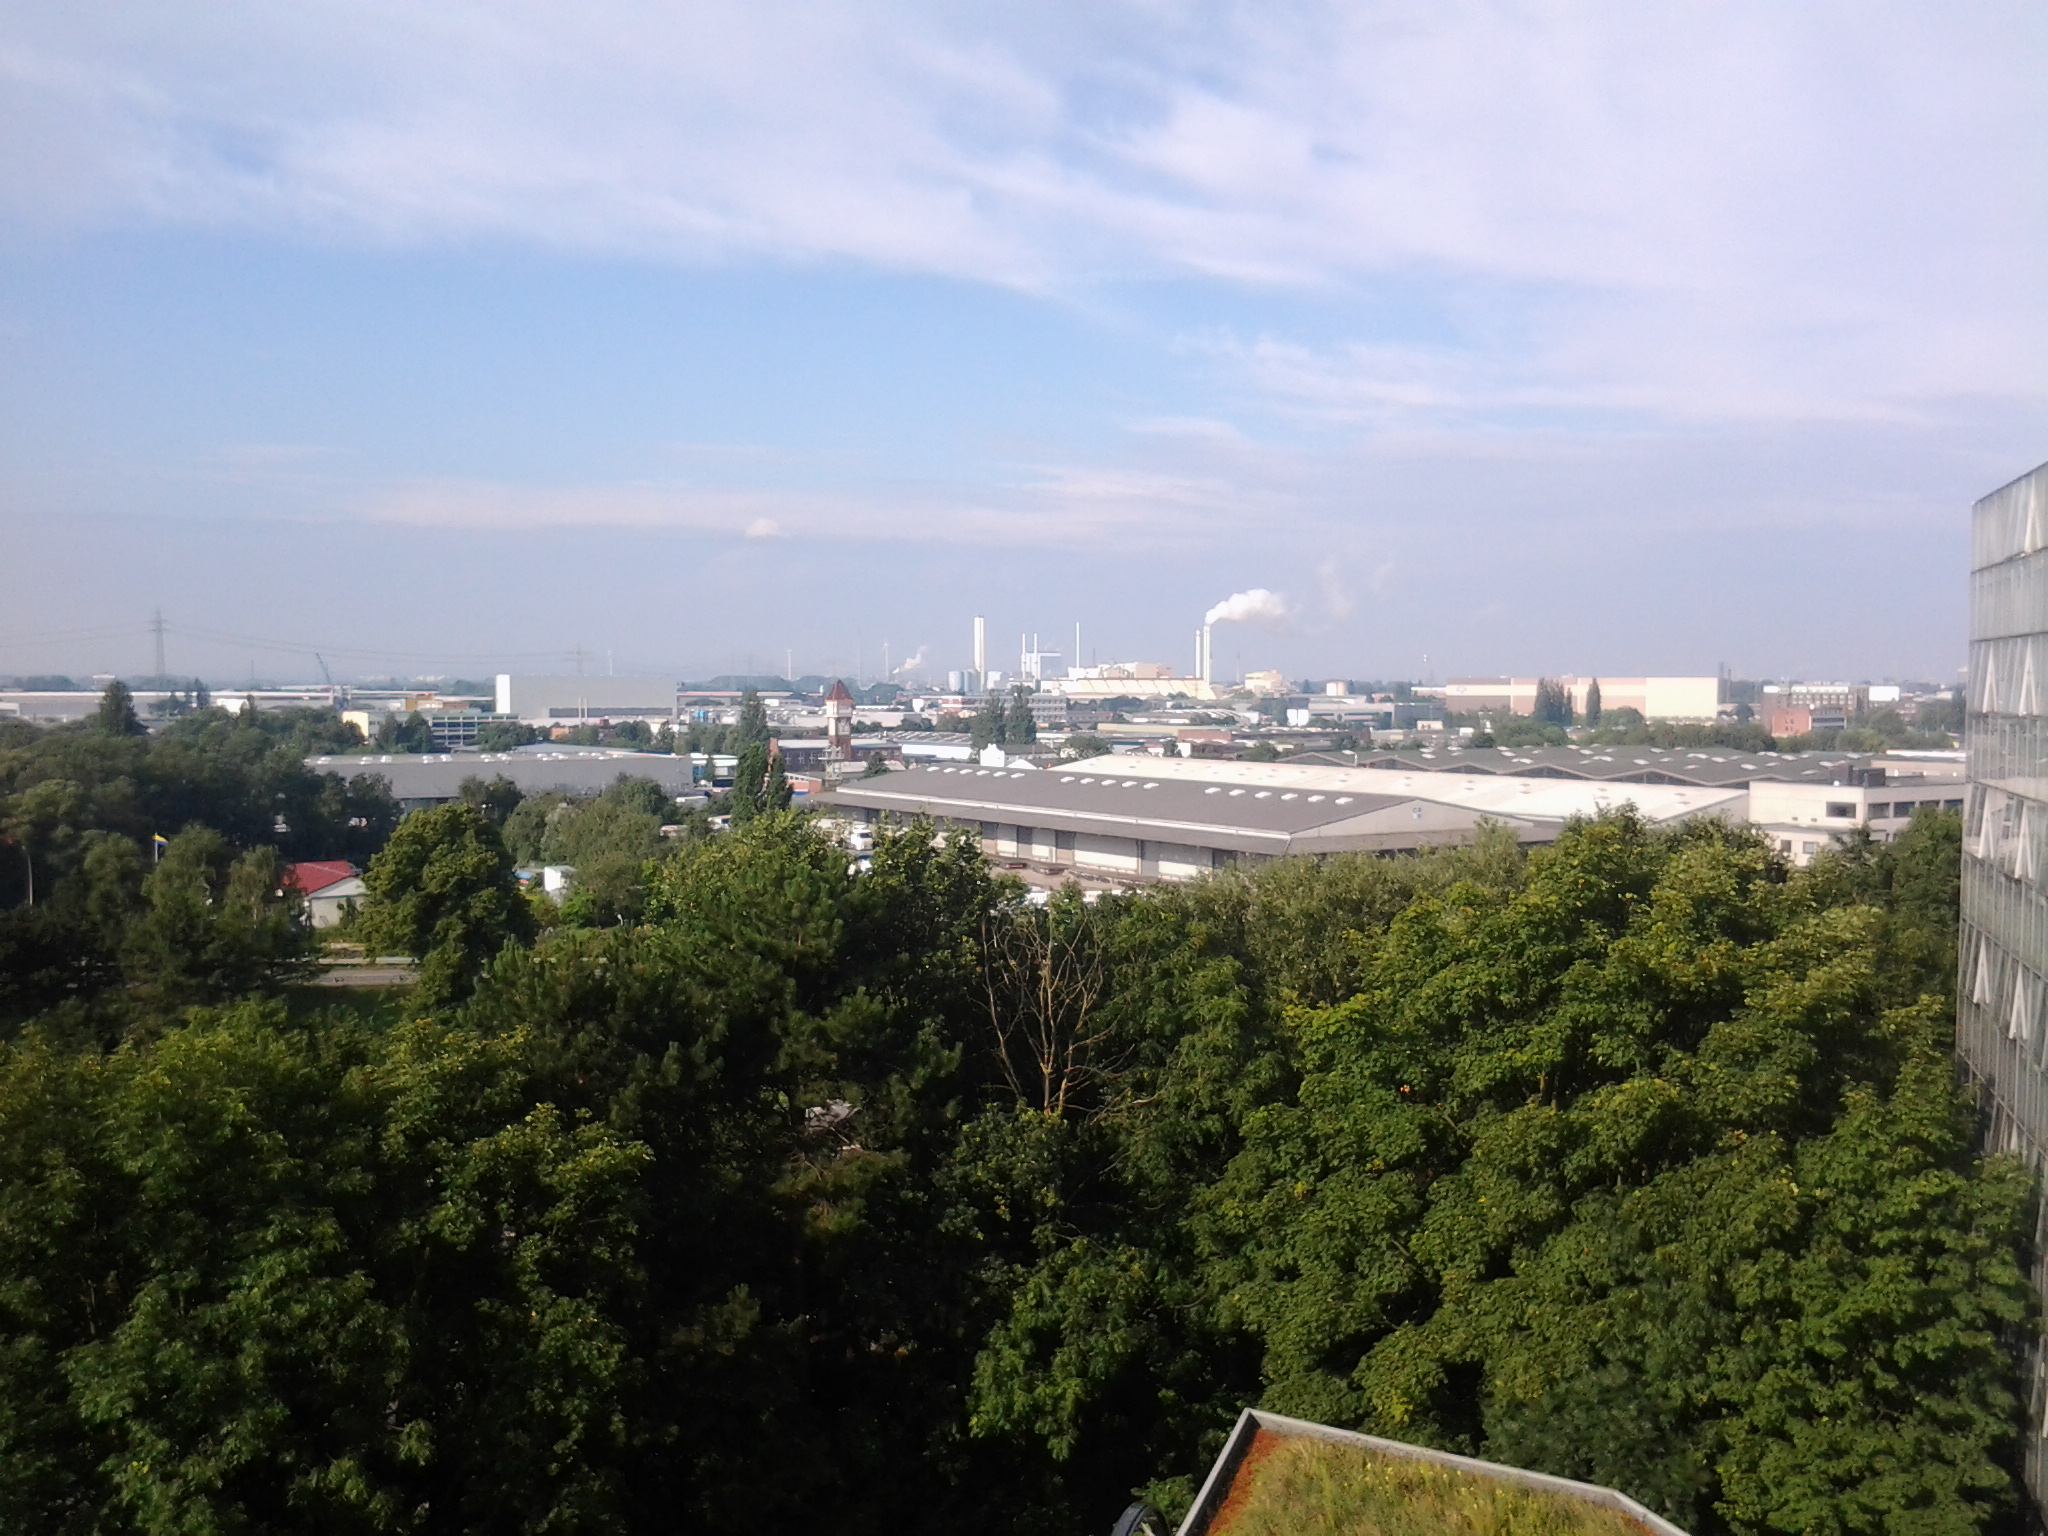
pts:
[877, 1198]
[80, 805]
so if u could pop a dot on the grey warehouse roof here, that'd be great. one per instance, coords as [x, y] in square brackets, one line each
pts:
[1084, 798]
[439, 775]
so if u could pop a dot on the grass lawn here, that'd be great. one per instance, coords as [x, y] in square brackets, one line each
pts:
[1297, 1486]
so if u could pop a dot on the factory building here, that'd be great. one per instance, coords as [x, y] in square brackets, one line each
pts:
[1130, 819]
[1653, 765]
[1094, 820]
[1081, 689]
[562, 700]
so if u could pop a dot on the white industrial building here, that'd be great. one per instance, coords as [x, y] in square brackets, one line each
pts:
[1803, 819]
[557, 700]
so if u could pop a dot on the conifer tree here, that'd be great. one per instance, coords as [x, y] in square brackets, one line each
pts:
[753, 723]
[116, 714]
[749, 779]
[1593, 702]
[1020, 729]
[987, 727]
[1553, 703]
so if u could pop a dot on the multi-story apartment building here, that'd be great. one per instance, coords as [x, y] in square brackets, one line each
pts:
[2002, 986]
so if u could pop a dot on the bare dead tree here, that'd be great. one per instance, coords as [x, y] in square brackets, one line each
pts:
[1044, 977]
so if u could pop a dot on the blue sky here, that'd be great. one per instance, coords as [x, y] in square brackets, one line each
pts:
[1519, 337]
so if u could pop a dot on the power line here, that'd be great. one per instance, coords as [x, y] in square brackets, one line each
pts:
[69, 636]
[359, 653]
[157, 627]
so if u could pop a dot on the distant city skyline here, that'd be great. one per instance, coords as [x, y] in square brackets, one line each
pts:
[1575, 340]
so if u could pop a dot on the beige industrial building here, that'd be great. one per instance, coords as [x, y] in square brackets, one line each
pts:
[1657, 698]
[1084, 688]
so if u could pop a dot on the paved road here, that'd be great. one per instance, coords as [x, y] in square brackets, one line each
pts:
[383, 971]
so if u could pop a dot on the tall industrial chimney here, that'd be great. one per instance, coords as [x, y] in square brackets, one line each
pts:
[1208, 657]
[980, 645]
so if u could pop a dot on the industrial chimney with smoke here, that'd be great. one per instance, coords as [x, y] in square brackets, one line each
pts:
[1258, 606]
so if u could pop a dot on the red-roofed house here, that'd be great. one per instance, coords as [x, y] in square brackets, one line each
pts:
[328, 886]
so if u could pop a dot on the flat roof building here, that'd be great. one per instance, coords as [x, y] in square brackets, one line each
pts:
[432, 778]
[1801, 820]
[1130, 818]
[1646, 765]
[1122, 820]
[556, 700]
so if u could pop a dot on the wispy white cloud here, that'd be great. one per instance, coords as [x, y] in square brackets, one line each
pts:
[1658, 206]
[1701, 264]
[1046, 507]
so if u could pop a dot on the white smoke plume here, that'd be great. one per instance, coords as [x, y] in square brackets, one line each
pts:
[911, 664]
[1258, 606]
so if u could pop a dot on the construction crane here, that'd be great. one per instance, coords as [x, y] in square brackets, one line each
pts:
[333, 693]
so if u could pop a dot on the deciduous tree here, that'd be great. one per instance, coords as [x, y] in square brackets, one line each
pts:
[442, 891]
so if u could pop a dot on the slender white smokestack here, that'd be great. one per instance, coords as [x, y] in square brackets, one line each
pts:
[980, 644]
[1198, 653]
[1208, 656]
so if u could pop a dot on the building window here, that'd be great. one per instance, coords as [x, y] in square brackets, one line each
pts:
[1809, 849]
[1785, 845]
[1844, 809]
[1880, 811]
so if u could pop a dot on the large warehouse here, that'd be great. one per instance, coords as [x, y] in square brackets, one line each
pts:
[1142, 818]
[554, 700]
[434, 778]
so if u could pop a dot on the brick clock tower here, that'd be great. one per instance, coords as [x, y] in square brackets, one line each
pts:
[838, 724]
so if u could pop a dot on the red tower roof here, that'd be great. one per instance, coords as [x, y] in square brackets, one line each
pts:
[838, 695]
